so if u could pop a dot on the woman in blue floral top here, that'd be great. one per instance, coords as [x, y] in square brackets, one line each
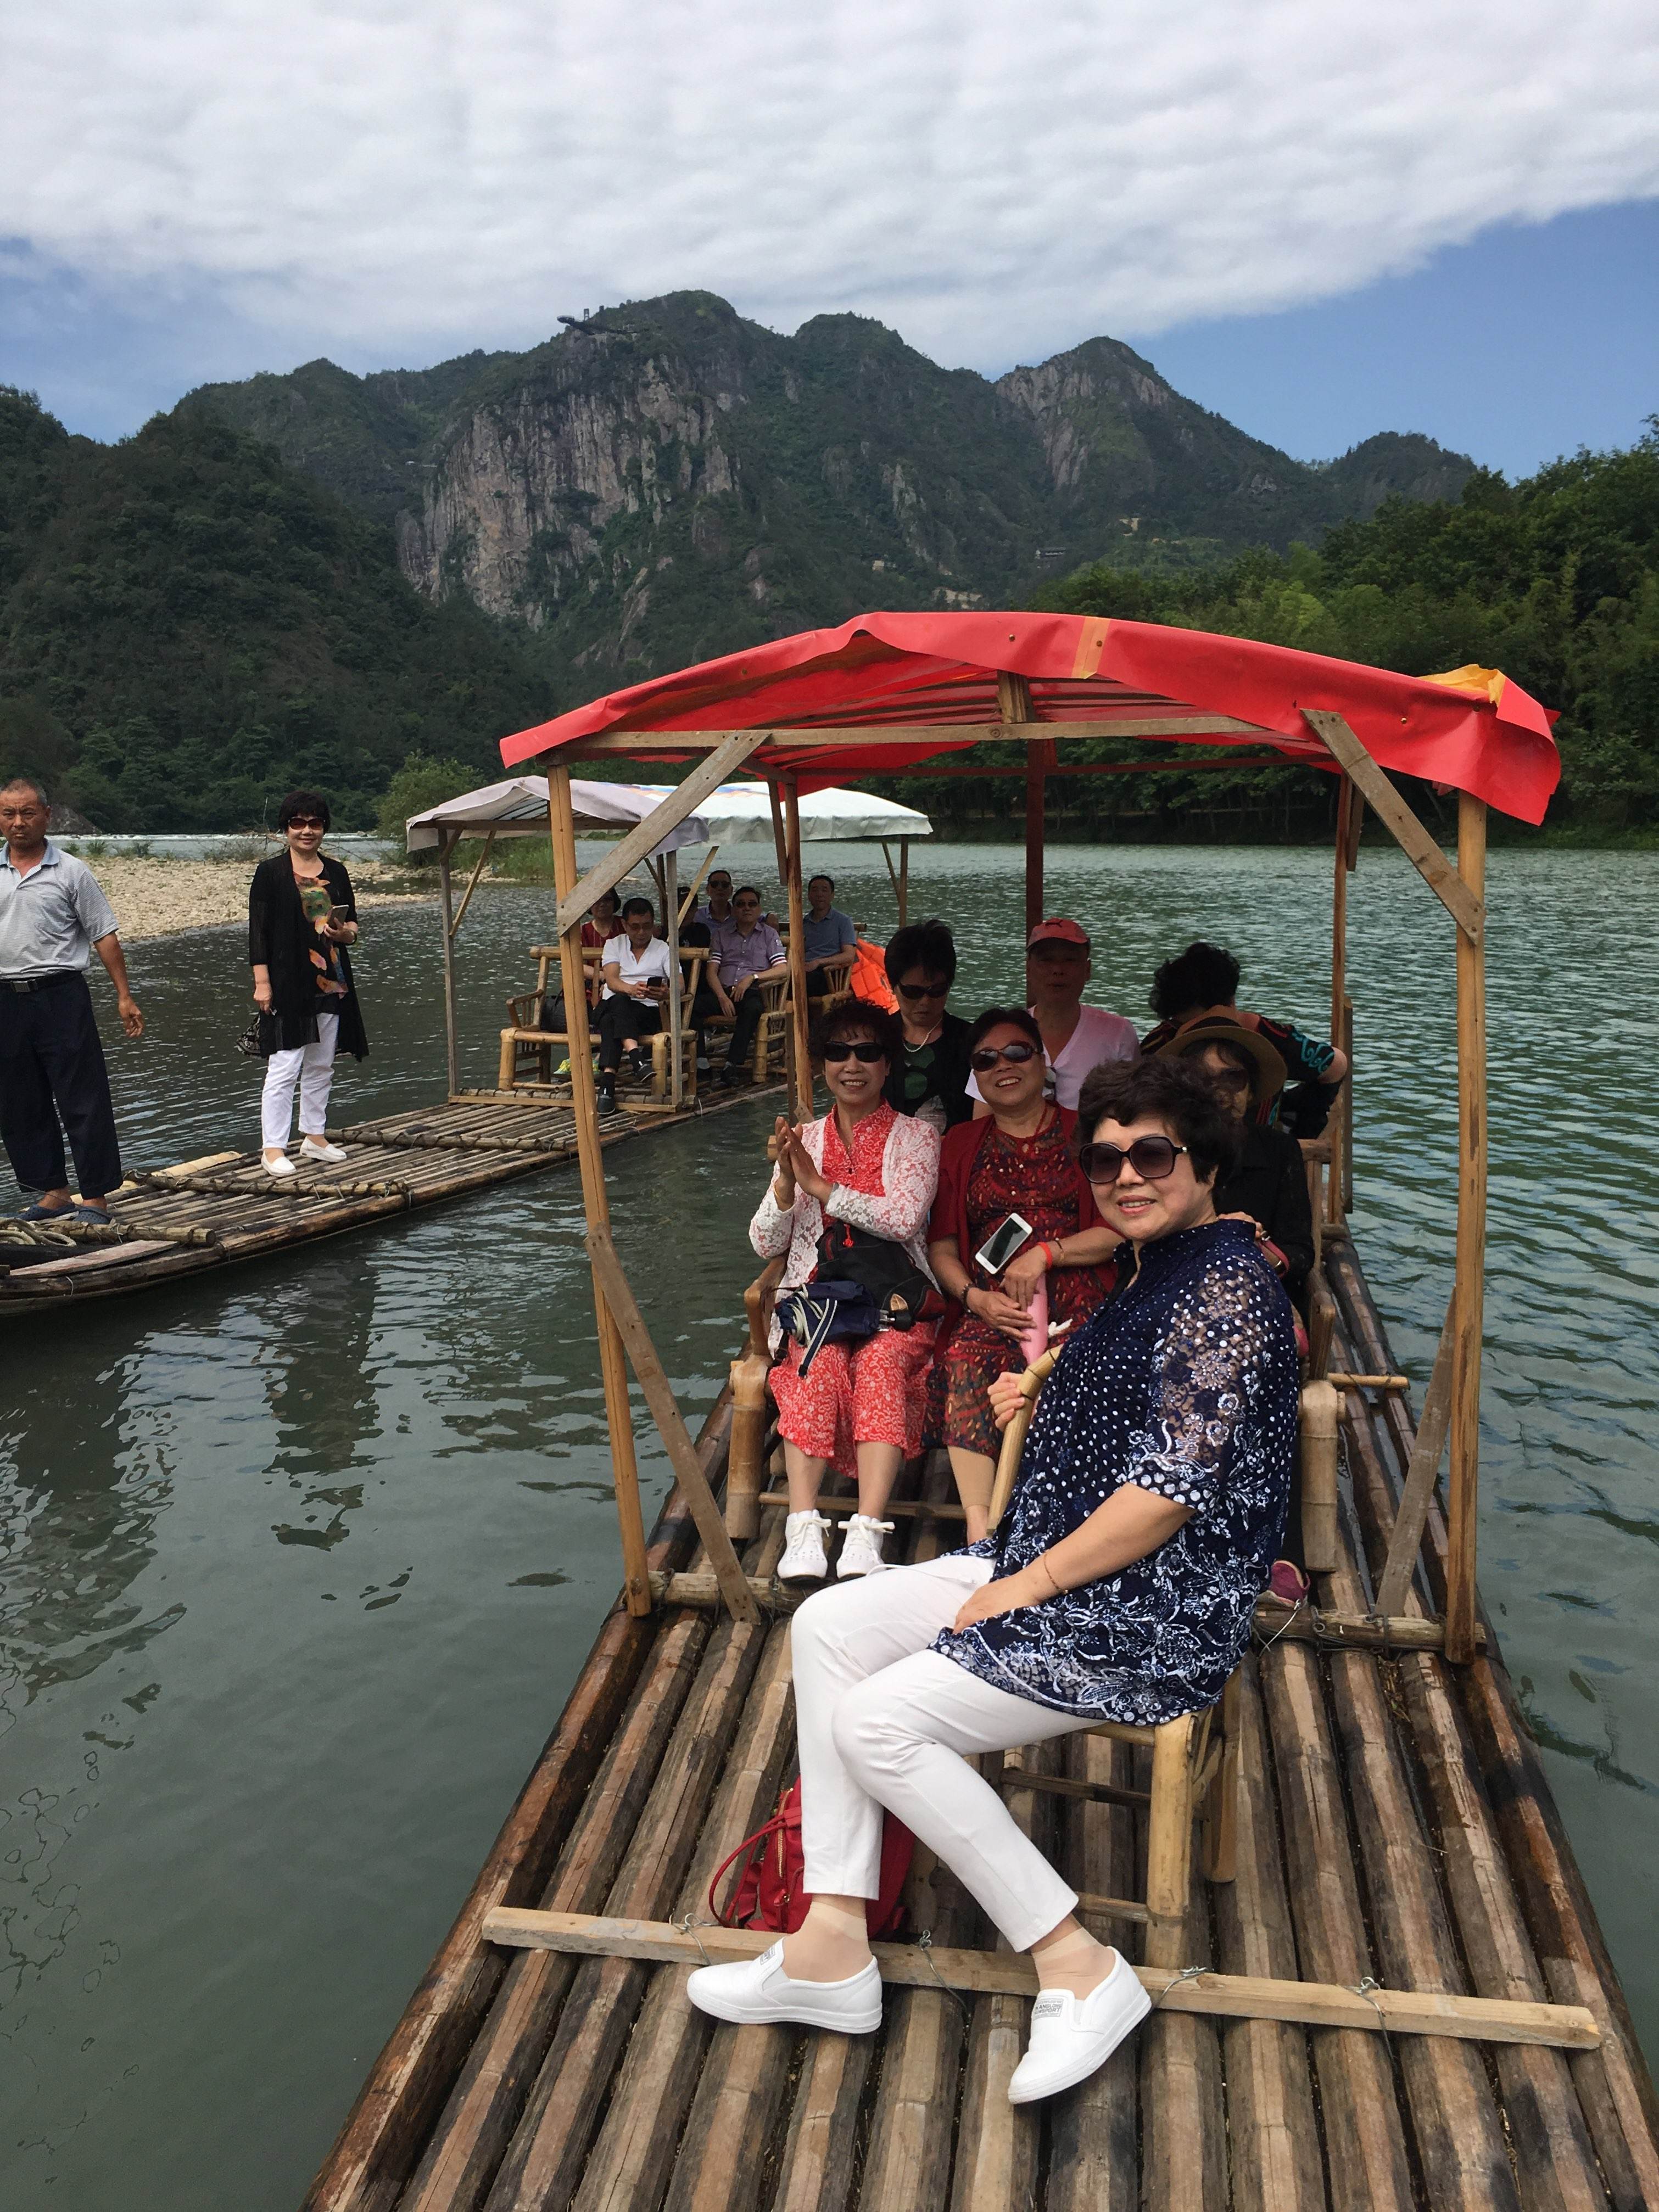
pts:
[1120, 1585]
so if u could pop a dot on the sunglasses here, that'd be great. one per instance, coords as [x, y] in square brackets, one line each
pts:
[923, 990]
[988, 1055]
[306, 821]
[1152, 1158]
[869, 1053]
[749, 906]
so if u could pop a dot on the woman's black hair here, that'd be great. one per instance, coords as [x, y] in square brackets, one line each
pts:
[852, 1018]
[928, 946]
[1014, 1018]
[638, 905]
[1172, 1092]
[1203, 975]
[302, 802]
[1234, 1054]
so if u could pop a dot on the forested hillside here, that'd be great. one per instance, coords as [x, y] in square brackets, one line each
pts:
[1554, 579]
[188, 628]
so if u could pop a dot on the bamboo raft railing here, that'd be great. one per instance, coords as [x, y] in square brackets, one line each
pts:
[1405, 1922]
[171, 1223]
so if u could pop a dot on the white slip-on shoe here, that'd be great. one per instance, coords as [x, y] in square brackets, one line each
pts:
[310, 1150]
[281, 1165]
[804, 1559]
[1072, 2037]
[757, 1991]
[860, 1550]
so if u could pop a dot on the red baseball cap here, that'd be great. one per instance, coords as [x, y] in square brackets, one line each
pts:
[1058, 929]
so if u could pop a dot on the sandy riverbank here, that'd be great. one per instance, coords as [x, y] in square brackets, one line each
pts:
[156, 898]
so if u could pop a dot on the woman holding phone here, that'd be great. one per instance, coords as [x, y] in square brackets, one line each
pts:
[301, 919]
[1015, 1241]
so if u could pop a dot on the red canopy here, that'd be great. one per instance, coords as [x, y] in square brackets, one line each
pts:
[1473, 730]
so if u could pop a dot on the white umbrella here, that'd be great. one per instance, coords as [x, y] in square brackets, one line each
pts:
[741, 814]
[518, 808]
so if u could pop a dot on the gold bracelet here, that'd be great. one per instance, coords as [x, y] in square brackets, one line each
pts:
[1042, 1560]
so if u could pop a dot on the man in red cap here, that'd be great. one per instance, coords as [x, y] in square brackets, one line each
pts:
[1076, 1038]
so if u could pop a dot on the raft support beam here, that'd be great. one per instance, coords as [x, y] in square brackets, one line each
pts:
[1236, 1996]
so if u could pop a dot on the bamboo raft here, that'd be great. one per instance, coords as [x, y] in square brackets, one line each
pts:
[1379, 1986]
[171, 1223]
[1398, 1854]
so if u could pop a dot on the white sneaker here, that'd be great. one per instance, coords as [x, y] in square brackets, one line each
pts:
[281, 1165]
[311, 1150]
[804, 1557]
[1072, 2037]
[757, 1991]
[860, 1550]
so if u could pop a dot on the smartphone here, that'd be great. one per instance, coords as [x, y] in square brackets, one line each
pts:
[337, 915]
[1000, 1246]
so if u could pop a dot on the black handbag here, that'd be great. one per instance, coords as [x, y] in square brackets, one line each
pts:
[897, 1287]
[259, 1039]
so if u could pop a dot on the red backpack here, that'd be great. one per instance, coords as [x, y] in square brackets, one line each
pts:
[769, 1891]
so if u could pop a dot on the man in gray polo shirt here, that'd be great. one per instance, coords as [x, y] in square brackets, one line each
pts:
[52, 918]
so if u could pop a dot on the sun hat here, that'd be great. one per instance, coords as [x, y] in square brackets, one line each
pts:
[1058, 929]
[1272, 1075]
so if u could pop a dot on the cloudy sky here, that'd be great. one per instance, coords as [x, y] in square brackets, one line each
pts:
[1319, 218]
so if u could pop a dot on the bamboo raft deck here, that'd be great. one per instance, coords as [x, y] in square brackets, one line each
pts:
[1395, 1834]
[203, 1214]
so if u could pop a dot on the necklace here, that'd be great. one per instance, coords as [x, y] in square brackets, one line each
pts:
[931, 1036]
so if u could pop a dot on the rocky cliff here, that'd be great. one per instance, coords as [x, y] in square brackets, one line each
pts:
[675, 482]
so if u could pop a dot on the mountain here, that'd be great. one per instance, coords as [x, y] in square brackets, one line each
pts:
[188, 629]
[673, 481]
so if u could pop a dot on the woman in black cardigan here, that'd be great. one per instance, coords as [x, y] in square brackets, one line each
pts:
[302, 918]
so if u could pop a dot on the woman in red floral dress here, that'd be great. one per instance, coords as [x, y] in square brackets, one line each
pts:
[859, 1409]
[1018, 1160]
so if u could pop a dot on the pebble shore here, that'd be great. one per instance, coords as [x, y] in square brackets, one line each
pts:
[157, 899]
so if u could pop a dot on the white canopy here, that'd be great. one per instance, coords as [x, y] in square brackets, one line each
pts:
[741, 814]
[518, 808]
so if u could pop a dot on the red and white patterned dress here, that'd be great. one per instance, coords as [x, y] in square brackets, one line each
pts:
[872, 1392]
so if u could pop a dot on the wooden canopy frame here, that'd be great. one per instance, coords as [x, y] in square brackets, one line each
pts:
[869, 735]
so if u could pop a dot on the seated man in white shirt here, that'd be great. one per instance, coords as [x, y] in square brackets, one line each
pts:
[635, 969]
[1076, 1038]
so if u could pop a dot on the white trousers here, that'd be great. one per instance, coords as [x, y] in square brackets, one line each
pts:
[311, 1066]
[883, 1721]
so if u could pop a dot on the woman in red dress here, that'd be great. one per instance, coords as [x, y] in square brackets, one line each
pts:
[1017, 1160]
[865, 1167]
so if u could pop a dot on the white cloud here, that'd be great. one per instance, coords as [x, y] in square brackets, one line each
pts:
[995, 179]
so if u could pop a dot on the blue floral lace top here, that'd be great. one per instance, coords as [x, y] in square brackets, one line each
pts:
[1186, 1384]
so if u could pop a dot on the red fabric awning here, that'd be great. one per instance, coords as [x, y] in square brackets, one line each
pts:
[1473, 730]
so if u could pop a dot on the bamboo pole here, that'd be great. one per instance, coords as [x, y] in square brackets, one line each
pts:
[636, 1587]
[691, 899]
[446, 846]
[1375, 2012]
[1471, 1239]
[803, 1080]
[471, 883]
[1335, 1173]
[670, 900]
[904, 881]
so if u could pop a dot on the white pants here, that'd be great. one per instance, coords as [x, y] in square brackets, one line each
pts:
[883, 1721]
[311, 1066]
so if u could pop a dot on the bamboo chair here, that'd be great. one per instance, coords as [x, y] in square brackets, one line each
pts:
[746, 1466]
[772, 1035]
[1194, 1765]
[527, 1050]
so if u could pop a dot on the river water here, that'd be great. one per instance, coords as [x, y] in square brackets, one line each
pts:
[300, 1561]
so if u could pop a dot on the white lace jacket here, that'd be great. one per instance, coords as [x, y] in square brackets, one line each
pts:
[909, 1175]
